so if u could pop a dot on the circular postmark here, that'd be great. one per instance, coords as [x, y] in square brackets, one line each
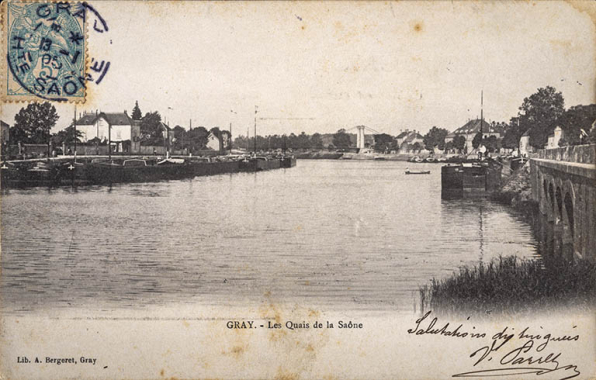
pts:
[46, 51]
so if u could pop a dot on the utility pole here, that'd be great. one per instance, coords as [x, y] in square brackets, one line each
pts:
[75, 133]
[110, 142]
[231, 138]
[481, 111]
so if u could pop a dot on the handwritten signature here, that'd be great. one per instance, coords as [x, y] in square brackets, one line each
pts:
[519, 356]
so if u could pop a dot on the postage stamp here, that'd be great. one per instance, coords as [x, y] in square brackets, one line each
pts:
[45, 46]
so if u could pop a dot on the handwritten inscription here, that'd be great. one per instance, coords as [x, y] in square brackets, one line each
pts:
[515, 354]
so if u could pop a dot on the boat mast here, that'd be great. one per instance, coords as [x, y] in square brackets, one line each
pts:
[256, 129]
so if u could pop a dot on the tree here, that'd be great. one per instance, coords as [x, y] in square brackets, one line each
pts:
[539, 114]
[341, 139]
[303, 141]
[513, 132]
[151, 131]
[34, 122]
[449, 146]
[477, 140]
[136, 112]
[435, 138]
[491, 143]
[383, 142]
[417, 147]
[179, 141]
[592, 135]
[197, 138]
[574, 120]
[316, 141]
[66, 136]
[459, 143]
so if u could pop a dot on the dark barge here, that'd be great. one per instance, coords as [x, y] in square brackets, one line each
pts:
[98, 171]
[477, 178]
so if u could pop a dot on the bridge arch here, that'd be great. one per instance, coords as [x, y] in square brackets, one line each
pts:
[551, 198]
[566, 193]
[569, 213]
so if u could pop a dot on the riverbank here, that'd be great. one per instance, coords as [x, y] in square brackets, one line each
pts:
[324, 155]
[557, 279]
[510, 285]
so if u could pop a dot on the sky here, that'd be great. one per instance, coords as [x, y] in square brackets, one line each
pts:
[319, 67]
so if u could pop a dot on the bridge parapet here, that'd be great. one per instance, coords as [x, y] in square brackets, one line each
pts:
[566, 194]
[578, 153]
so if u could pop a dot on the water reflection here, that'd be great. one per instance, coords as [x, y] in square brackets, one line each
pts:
[341, 235]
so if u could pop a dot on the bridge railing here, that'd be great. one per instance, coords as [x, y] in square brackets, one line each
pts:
[585, 154]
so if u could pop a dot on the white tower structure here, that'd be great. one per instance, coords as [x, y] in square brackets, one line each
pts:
[360, 137]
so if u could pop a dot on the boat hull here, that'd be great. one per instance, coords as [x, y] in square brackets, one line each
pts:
[288, 162]
[470, 180]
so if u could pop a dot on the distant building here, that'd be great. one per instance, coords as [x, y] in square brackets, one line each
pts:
[123, 132]
[554, 138]
[166, 132]
[524, 144]
[214, 142]
[407, 139]
[471, 129]
[218, 140]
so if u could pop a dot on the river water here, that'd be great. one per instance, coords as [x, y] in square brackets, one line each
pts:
[341, 235]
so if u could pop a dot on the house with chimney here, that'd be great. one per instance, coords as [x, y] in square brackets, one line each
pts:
[120, 129]
[471, 129]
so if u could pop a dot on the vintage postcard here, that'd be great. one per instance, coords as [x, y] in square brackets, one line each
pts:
[298, 190]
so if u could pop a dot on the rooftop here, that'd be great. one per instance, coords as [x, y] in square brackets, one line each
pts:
[113, 118]
[473, 126]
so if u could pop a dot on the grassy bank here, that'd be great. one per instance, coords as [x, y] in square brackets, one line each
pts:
[511, 285]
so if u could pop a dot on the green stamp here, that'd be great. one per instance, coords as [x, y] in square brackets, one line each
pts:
[46, 51]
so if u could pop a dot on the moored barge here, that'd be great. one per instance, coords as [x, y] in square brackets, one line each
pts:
[478, 178]
[98, 171]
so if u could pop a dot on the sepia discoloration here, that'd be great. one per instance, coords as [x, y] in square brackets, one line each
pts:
[283, 374]
[585, 7]
[237, 350]
[418, 27]
[327, 354]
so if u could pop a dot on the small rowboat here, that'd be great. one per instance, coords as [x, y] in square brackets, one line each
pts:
[417, 172]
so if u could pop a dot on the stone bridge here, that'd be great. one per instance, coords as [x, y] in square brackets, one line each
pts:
[564, 186]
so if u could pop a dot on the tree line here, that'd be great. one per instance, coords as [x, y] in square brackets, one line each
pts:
[538, 116]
